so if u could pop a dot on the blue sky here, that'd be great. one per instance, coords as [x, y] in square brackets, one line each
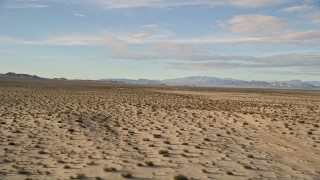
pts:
[160, 39]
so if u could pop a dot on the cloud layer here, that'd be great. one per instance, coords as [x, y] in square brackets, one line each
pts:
[270, 30]
[173, 3]
[24, 4]
[153, 42]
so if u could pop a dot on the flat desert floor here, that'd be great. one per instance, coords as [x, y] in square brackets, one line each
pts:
[84, 130]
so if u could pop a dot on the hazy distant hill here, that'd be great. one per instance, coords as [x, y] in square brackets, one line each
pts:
[200, 81]
[15, 75]
[133, 81]
[206, 81]
[219, 82]
[27, 76]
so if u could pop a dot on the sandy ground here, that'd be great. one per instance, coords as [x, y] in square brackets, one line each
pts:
[84, 130]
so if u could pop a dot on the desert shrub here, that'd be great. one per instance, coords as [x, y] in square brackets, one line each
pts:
[109, 169]
[126, 175]
[250, 156]
[149, 163]
[180, 177]
[91, 163]
[80, 176]
[60, 161]
[11, 143]
[139, 164]
[166, 142]
[157, 136]
[66, 167]
[42, 152]
[162, 151]
[183, 155]
[25, 172]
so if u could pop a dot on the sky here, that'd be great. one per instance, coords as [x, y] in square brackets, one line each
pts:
[161, 39]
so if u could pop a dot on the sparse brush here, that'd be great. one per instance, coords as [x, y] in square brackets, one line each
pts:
[157, 136]
[66, 167]
[42, 152]
[163, 152]
[149, 163]
[183, 155]
[139, 164]
[91, 163]
[126, 175]
[25, 172]
[109, 169]
[11, 143]
[204, 171]
[250, 156]
[180, 177]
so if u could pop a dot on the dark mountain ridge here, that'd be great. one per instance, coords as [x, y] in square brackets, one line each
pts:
[198, 81]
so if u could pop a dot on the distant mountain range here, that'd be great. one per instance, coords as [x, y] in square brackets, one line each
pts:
[15, 75]
[205, 81]
[199, 81]
[26, 76]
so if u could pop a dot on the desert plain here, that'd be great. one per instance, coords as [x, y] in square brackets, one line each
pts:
[54, 129]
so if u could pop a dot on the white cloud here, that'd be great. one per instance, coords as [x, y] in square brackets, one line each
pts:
[309, 12]
[175, 47]
[26, 6]
[257, 3]
[110, 41]
[154, 3]
[164, 50]
[302, 8]
[191, 55]
[256, 25]
[139, 35]
[201, 66]
[150, 26]
[164, 4]
[79, 15]
[270, 30]
[314, 17]
[241, 40]
[302, 62]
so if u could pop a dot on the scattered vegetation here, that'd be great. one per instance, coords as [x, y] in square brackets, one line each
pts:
[126, 175]
[180, 177]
